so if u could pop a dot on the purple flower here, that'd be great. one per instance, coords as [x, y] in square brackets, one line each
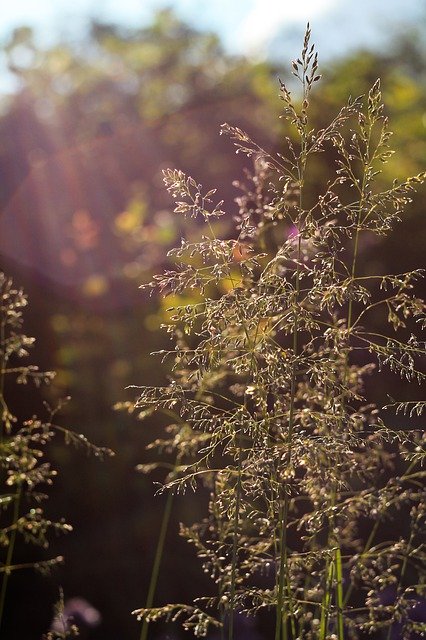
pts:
[76, 611]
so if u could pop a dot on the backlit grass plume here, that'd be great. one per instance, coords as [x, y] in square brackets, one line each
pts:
[267, 390]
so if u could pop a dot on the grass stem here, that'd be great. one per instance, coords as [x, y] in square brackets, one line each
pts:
[236, 526]
[157, 561]
[10, 550]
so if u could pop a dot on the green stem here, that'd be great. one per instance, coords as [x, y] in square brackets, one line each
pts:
[280, 614]
[326, 600]
[401, 577]
[339, 593]
[10, 550]
[354, 268]
[338, 553]
[364, 552]
[281, 618]
[157, 561]
[238, 497]
[3, 404]
[290, 605]
[373, 535]
[235, 549]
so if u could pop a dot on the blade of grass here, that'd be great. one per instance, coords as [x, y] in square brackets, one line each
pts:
[339, 594]
[235, 549]
[157, 561]
[10, 550]
[326, 601]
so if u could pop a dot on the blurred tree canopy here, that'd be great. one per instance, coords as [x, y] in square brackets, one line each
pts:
[91, 126]
[85, 220]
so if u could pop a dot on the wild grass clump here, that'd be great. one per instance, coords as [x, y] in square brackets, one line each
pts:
[272, 350]
[25, 473]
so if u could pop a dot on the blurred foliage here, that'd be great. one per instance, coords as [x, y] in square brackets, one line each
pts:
[85, 220]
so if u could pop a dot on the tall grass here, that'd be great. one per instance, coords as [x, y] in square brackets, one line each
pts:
[25, 473]
[273, 344]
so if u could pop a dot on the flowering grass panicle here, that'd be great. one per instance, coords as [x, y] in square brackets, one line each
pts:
[24, 471]
[273, 344]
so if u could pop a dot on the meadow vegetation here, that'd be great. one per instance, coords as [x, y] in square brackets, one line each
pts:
[26, 473]
[291, 364]
[316, 505]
